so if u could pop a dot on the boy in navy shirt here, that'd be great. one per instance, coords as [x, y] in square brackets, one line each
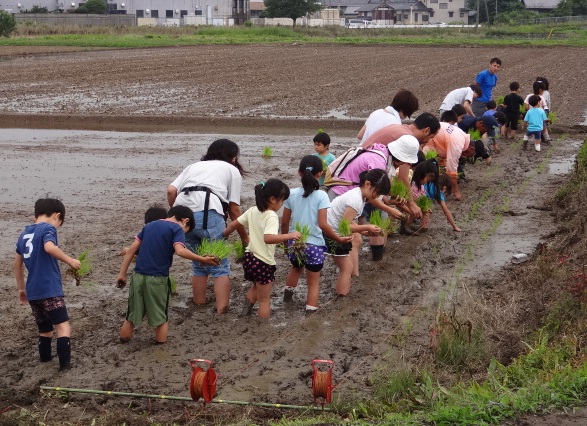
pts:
[38, 250]
[150, 287]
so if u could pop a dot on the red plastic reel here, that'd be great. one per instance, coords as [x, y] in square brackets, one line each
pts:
[202, 382]
[322, 380]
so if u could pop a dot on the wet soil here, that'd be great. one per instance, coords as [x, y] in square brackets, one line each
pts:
[108, 179]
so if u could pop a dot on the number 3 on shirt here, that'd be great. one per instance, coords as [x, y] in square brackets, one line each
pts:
[28, 238]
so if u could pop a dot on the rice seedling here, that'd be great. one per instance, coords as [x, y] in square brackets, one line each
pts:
[220, 249]
[239, 251]
[267, 152]
[384, 223]
[475, 134]
[85, 268]
[399, 189]
[344, 228]
[500, 100]
[431, 154]
[552, 117]
[424, 203]
[298, 248]
[173, 282]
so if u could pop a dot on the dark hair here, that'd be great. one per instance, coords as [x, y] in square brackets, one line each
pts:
[476, 88]
[534, 100]
[322, 138]
[224, 150]
[48, 206]
[491, 104]
[427, 120]
[272, 188]
[449, 117]
[459, 109]
[537, 86]
[378, 179]
[423, 169]
[514, 85]
[405, 102]
[182, 212]
[500, 117]
[155, 212]
[495, 60]
[543, 81]
[446, 181]
[309, 166]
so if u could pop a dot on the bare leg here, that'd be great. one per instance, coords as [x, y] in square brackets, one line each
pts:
[63, 329]
[293, 277]
[313, 281]
[222, 293]
[357, 241]
[161, 332]
[199, 285]
[343, 282]
[264, 296]
[126, 331]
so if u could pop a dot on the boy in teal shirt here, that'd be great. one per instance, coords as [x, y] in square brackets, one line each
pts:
[322, 146]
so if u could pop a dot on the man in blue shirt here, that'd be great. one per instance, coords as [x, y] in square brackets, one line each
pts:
[487, 80]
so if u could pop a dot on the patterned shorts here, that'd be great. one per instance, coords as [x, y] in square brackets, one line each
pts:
[49, 312]
[258, 271]
[312, 257]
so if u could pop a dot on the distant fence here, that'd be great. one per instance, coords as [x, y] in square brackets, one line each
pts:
[77, 19]
[554, 20]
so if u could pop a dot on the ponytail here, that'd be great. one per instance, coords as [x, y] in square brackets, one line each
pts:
[272, 188]
[310, 166]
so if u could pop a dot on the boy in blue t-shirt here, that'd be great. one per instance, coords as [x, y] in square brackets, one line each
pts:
[150, 286]
[321, 146]
[535, 117]
[37, 249]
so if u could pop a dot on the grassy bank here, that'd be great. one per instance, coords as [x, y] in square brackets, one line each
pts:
[32, 34]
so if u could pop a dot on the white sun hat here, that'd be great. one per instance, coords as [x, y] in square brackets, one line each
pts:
[405, 149]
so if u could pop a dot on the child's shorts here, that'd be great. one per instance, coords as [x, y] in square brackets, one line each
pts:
[537, 134]
[258, 271]
[312, 258]
[49, 312]
[513, 121]
[149, 296]
[336, 249]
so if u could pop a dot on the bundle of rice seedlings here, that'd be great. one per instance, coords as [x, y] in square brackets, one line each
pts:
[399, 189]
[475, 134]
[424, 203]
[298, 248]
[85, 268]
[344, 228]
[267, 152]
[500, 100]
[239, 251]
[384, 223]
[173, 284]
[220, 249]
[552, 117]
[431, 154]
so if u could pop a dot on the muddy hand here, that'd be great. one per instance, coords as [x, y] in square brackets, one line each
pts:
[120, 283]
[211, 260]
[75, 264]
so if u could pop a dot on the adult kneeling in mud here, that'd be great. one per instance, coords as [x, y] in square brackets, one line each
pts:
[211, 189]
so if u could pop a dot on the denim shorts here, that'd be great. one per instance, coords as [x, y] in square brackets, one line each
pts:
[537, 134]
[194, 238]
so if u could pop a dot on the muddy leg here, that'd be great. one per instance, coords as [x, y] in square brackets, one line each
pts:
[222, 293]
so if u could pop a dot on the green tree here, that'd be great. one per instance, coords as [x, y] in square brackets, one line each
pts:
[571, 8]
[293, 9]
[93, 6]
[37, 9]
[496, 8]
[7, 23]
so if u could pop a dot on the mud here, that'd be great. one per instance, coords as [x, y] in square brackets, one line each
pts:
[108, 179]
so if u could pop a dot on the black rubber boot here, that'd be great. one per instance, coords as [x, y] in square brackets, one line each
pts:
[288, 294]
[377, 252]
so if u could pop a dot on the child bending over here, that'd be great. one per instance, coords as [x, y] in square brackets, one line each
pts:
[150, 287]
[263, 226]
[37, 249]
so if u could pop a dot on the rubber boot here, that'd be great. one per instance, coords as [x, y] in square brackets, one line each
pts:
[377, 252]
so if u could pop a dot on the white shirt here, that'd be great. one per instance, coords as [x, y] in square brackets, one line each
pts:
[380, 119]
[221, 177]
[353, 199]
[457, 97]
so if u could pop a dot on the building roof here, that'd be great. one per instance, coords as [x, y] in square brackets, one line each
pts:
[541, 4]
[389, 4]
[257, 5]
